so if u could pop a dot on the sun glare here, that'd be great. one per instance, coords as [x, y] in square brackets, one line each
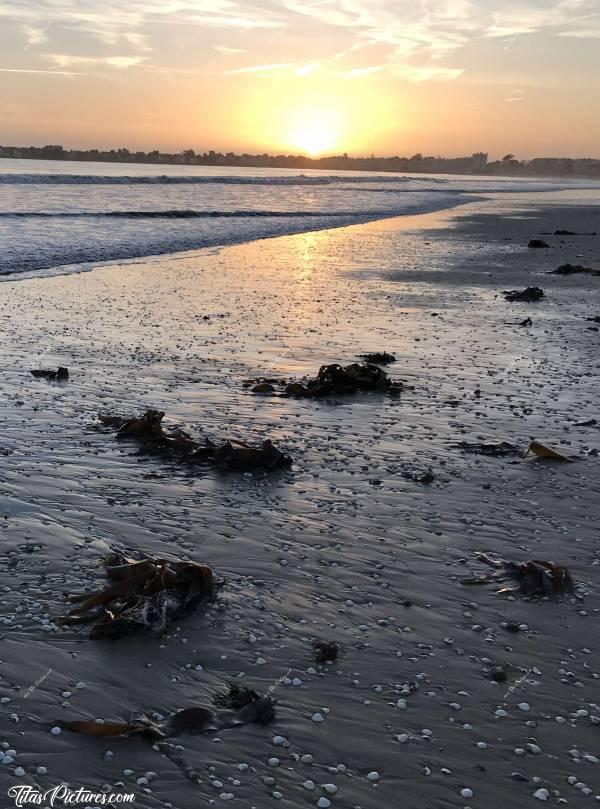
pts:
[313, 140]
[313, 131]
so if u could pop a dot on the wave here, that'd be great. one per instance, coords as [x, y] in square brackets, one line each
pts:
[169, 214]
[165, 179]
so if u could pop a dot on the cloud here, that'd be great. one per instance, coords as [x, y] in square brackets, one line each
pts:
[590, 33]
[227, 50]
[418, 73]
[119, 62]
[261, 68]
[308, 69]
[44, 72]
[415, 40]
[357, 72]
[35, 35]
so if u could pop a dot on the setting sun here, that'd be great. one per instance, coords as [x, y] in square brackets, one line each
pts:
[313, 140]
[313, 131]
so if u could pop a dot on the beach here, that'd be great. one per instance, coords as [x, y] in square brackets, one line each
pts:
[347, 545]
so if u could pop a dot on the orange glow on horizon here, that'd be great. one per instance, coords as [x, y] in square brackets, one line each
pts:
[334, 119]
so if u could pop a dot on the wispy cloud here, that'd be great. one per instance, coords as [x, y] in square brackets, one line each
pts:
[43, 72]
[419, 73]
[307, 70]
[119, 62]
[357, 72]
[416, 41]
[34, 35]
[227, 50]
[261, 68]
[517, 95]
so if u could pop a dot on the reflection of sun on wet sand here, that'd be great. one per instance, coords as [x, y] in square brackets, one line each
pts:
[439, 689]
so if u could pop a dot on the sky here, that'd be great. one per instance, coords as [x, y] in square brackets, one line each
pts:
[441, 77]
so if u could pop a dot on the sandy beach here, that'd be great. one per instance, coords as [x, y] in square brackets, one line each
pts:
[346, 545]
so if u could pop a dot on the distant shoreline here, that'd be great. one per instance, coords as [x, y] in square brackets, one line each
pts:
[475, 165]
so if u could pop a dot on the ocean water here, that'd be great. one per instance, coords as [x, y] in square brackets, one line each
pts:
[59, 216]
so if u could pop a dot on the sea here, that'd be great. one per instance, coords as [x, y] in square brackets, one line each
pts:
[60, 216]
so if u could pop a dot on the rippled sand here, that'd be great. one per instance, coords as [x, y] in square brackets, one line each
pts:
[344, 546]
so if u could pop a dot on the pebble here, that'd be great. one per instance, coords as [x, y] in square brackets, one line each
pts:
[56, 731]
[280, 741]
[403, 738]
[523, 706]
[323, 803]
[373, 776]
[331, 789]
[19, 771]
[317, 717]
[309, 785]
[466, 793]
[541, 794]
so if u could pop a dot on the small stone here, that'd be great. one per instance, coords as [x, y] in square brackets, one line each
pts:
[541, 794]
[323, 803]
[523, 706]
[56, 731]
[466, 793]
[373, 776]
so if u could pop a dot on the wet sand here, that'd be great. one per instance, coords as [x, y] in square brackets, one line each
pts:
[343, 546]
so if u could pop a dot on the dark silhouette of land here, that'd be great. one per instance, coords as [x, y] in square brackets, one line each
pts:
[475, 164]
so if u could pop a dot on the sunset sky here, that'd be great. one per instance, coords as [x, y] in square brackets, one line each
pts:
[321, 76]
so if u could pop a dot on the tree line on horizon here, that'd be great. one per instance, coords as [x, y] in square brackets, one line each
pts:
[476, 163]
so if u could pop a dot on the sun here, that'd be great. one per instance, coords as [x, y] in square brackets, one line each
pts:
[313, 131]
[313, 140]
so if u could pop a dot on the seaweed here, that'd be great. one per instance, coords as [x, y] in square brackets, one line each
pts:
[147, 594]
